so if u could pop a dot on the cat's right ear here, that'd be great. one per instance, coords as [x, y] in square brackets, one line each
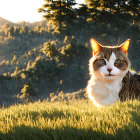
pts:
[125, 45]
[96, 47]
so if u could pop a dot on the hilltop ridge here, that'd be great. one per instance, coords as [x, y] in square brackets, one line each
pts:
[3, 21]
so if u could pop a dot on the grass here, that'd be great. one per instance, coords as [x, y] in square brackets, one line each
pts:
[77, 119]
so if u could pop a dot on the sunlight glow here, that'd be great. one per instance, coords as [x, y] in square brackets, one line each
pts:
[22, 10]
[94, 101]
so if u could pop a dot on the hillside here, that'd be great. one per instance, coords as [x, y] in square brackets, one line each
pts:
[36, 61]
[75, 120]
[3, 21]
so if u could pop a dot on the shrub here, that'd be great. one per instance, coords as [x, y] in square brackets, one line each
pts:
[49, 49]
[27, 93]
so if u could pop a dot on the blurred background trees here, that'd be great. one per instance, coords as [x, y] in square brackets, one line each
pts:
[36, 56]
[59, 12]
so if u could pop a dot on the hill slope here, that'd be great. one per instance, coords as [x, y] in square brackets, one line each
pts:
[3, 21]
[77, 119]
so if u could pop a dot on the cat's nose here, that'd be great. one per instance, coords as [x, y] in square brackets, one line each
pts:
[109, 70]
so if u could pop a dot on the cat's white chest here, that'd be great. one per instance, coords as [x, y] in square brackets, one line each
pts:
[103, 93]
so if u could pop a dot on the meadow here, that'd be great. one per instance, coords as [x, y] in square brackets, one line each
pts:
[46, 59]
[68, 120]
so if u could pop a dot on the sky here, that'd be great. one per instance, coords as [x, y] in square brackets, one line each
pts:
[22, 10]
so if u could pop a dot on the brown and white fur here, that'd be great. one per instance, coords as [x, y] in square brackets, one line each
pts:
[109, 71]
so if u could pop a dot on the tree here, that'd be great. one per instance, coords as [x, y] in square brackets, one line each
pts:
[118, 13]
[94, 7]
[134, 9]
[50, 50]
[82, 13]
[27, 93]
[58, 12]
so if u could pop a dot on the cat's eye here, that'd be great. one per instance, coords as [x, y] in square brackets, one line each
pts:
[118, 61]
[101, 61]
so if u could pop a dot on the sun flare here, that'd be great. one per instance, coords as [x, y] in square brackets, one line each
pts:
[22, 10]
[17, 10]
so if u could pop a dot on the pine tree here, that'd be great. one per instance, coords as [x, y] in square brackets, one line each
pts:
[58, 12]
[114, 12]
[82, 13]
[134, 9]
[94, 9]
[122, 17]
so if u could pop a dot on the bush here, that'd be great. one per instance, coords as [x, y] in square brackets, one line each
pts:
[27, 93]
[49, 49]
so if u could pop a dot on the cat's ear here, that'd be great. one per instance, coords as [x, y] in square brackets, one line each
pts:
[125, 45]
[96, 47]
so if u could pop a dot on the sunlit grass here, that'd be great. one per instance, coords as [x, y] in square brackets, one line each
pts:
[77, 119]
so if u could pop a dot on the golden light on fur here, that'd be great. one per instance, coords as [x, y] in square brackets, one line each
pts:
[95, 46]
[98, 105]
[125, 45]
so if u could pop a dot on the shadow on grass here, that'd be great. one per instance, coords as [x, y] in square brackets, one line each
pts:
[65, 133]
[51, 115]
[68, 133]
[135, 117]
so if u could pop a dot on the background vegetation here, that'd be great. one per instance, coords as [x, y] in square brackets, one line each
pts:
[51, 56]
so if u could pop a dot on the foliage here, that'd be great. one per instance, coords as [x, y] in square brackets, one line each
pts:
[46, 69]
[58, 61]
[49, 49]
[27, 92]
[59, 12]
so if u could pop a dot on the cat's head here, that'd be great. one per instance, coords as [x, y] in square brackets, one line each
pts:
[109, 62]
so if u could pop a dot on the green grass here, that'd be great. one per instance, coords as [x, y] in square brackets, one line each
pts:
[77, 119]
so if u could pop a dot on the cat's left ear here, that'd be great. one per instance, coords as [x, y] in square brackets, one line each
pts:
[125, 45]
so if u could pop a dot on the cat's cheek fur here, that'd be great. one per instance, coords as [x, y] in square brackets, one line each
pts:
[103, 70]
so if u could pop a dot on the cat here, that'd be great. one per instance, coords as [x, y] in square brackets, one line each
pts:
[111, 80]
